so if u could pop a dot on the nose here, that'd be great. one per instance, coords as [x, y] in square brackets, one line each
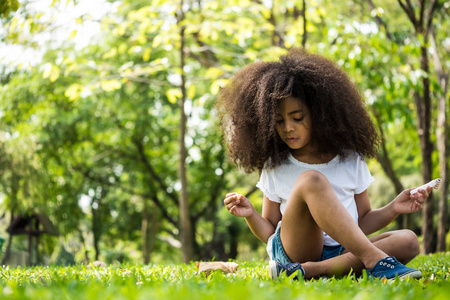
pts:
[288, 127]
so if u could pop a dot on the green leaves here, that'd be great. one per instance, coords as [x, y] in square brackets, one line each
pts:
[110, 85]
[73, 91]
[251, 281]
[50, 71]
[103, 120]
[173, 95]
[8, 6]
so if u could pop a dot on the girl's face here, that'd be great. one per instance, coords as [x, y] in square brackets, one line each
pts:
[293, 125]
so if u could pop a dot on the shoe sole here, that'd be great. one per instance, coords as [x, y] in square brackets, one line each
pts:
[273, 270]
[413, 274]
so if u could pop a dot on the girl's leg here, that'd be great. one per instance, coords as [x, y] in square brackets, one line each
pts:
[402, 244]
[313, 207]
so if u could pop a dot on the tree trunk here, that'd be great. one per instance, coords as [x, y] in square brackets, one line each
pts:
[154, 228]
[83, 242]
[96, 231]
[443, 154]
[30, 242]
[36, 240]
[422, 23]
[185, 221]
[305, 33]
[386, 164]
[8, 245]
[144, 232]
[442, 145]
[425, 144]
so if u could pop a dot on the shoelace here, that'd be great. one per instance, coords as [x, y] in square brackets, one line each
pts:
[292, 267]
[392, 263]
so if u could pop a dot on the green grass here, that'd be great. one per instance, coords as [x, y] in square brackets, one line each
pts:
[251, 281]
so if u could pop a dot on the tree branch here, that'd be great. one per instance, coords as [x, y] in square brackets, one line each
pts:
[207, 58]
[143, 158]
[305, 33]
[152, 171]
[155, 200]
[380, 21]
[251, 191]
[409, 10]
[421, 12]
[210, 206]
[273, 21]
[164, 212]
[430, 18]
[106, 182]
[383, 157]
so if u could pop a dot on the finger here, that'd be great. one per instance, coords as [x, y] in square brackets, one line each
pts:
[230, 206]
[229, 199]
[421, 200]
[424, 194]
[418, 203]
[408, 191]
[234, 211]
[230, 194]
[419, 207]
[232, 199]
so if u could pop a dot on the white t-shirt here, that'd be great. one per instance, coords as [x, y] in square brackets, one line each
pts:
[347, 177]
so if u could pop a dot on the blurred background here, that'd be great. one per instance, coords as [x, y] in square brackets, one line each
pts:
[110, 146]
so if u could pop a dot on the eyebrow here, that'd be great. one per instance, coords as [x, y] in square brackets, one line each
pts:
[293, 112]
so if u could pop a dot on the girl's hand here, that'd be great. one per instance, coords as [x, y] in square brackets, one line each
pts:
[238, 205]
[406, 203]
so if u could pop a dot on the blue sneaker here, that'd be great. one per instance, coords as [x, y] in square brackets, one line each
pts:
[276, 268]
[389, 268]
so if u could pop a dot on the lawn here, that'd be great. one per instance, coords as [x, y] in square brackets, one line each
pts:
[251, 281]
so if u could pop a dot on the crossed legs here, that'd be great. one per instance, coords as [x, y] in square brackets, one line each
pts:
[312, 208]
[402, 244]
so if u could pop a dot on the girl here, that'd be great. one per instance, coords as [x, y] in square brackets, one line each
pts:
[302, 124]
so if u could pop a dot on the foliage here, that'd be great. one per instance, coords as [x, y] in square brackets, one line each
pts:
[91, 131]
[251, 281]
[8, 6]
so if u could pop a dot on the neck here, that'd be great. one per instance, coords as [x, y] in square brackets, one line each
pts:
[311, 157]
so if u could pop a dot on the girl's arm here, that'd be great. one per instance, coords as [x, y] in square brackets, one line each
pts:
[371, 221]
[261, 226]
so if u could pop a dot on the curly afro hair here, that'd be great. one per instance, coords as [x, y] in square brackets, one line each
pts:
[248, 105]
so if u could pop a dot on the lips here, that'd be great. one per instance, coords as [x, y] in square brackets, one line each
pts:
[291, 140]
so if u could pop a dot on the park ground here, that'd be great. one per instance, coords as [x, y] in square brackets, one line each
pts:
[181, 281]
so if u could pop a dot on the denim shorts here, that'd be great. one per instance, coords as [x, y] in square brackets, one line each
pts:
[279, 254]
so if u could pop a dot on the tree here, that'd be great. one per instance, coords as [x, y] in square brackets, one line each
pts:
[127, 123]
[442, 145]
[8, 6]
[421, 17]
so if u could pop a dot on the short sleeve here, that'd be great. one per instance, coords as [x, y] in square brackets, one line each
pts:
[364, 178]
[266, 184]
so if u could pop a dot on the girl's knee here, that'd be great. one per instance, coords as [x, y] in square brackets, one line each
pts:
[409, 241]
[413, 241]
[308, 184]
[311, 180]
